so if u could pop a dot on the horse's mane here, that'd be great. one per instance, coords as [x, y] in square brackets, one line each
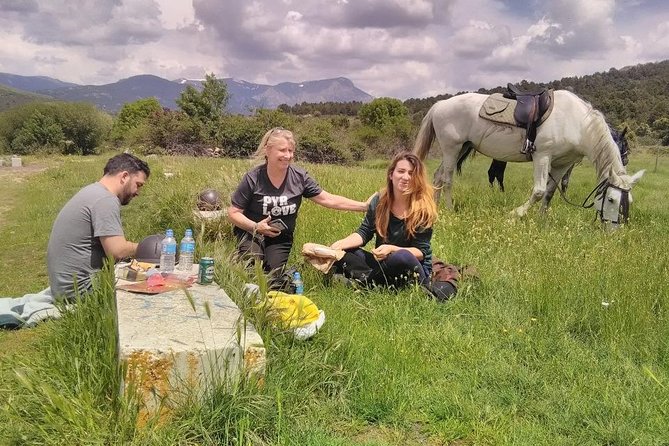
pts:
[587, 104]
[605, 152]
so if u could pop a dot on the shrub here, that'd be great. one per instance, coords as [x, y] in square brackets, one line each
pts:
[358, 151]
[274, 118]
[132, 115]
[340, 121]
[173, 132]
[317, 145]
[37, 132]
[239, 136]
[382, 112]
[83, 127]
[82, 124]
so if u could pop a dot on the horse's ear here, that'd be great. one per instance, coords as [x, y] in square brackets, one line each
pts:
[637, 176]
[624, 131]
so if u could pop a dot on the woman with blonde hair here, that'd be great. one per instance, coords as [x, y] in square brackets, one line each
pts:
[265, 204]
[401, 217]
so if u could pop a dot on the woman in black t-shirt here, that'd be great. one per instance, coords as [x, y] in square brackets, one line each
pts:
[401, 217]
[265, 204]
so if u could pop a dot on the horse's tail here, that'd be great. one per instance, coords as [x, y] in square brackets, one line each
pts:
[465, 151]
[425, 136]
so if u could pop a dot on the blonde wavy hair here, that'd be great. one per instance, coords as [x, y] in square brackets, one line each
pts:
[270, 138]
[422, 208]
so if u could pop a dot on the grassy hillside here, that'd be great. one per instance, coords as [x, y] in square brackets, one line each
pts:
[11, 98]
[562, 342]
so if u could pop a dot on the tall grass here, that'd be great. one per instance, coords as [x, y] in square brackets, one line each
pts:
[563, 341]
[69, 389]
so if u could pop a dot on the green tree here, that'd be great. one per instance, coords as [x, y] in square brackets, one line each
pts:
[207, 106]
[132, 115]
[38, 131]
[382, 112]
[82, 125]
[661, 128]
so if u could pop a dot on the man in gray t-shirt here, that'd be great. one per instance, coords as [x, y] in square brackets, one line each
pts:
[88, 229]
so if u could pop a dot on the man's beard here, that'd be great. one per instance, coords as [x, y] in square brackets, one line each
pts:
[125, 197]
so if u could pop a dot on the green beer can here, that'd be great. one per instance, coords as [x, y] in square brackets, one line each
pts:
[205, 274]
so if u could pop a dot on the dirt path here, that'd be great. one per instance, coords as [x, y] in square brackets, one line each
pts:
[10, 177]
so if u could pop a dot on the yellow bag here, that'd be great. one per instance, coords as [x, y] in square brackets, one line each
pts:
[294, 312]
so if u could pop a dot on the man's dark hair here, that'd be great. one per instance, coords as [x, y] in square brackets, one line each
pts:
[126, 162]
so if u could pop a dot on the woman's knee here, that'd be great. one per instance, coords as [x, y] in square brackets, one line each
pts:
[403, 257]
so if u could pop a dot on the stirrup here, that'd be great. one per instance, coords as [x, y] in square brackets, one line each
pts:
[528, 147]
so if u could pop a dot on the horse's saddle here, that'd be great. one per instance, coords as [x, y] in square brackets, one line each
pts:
[526, 109]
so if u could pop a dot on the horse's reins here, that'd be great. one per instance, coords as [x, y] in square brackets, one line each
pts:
[595, 191]
[600, 189]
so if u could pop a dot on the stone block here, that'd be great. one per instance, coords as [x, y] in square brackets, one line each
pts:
[16, 161]
[180, 344]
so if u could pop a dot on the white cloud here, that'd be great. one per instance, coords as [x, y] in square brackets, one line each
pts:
[658, 41]
[402, 48]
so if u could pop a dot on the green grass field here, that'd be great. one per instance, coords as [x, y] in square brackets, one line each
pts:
[563, 341]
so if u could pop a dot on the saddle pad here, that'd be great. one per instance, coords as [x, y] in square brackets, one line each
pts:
[498, 109]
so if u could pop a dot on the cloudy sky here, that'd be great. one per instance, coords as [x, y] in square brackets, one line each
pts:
[398, 48]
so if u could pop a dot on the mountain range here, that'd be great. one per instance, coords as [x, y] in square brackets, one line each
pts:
[244, 97]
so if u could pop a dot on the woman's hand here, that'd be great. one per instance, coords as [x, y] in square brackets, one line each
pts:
[338, 244]
[383, 251]
[263, 227]
[352, 241]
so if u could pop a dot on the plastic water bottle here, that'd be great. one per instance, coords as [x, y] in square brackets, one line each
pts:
[187, 251]
[168, 252]
[297, 283]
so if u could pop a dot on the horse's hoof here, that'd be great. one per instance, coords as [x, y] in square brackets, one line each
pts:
[518, 212]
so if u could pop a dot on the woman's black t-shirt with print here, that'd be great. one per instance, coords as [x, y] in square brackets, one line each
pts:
[258, 198]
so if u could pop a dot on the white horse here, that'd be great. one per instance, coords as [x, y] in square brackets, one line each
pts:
[573, 130]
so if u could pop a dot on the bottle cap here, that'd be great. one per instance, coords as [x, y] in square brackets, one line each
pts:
[189, 232]
[169, 233]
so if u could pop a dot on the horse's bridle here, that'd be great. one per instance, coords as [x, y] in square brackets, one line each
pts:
[600, 190]
[624, 206]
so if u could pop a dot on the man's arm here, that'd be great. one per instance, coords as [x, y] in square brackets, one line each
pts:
[118, 247]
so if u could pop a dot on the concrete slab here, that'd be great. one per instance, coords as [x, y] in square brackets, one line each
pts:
[176, 347]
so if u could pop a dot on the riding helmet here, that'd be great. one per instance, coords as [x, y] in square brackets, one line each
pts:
[148, 250]
[209, 200]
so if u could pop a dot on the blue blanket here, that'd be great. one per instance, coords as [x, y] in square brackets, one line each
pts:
[27, 311]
